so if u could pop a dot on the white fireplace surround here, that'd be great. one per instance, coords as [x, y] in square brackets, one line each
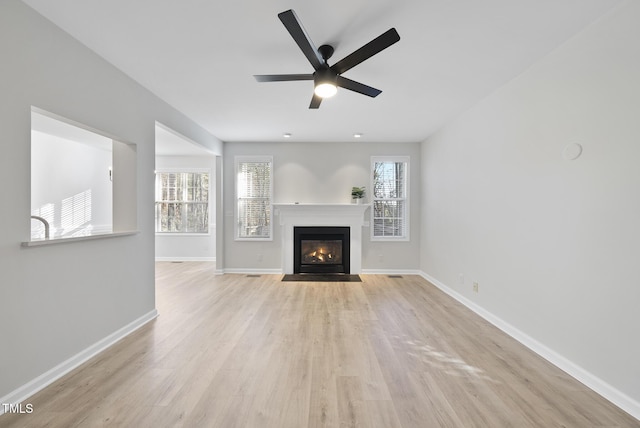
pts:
[345, 215]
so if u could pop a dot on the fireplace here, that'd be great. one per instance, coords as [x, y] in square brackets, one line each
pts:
[321, 250]
[291, 215]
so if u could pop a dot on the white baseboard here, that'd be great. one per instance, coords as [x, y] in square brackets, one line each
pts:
[593, 382]
[251, 271]
[247, 271]
[390, 272]
[27, 390]
[185, 259]
[279, 271]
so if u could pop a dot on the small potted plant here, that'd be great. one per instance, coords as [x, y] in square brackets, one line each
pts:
[357, 193]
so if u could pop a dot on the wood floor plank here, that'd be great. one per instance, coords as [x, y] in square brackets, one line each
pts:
[352, 411]
[238, 351]
[382, 414]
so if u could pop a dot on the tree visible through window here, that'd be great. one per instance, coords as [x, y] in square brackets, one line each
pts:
[254, 193]
[390, 202]
[182, 202]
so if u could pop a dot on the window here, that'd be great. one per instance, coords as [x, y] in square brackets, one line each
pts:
[182, 202]
[390, 204]
[254, 192]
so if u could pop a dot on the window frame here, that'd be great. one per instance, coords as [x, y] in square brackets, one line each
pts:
[389, 159]
[170, 170]
[252, 159]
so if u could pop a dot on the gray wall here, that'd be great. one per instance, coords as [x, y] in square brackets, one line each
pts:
[552, 243]
[320, 173]
[60, 299]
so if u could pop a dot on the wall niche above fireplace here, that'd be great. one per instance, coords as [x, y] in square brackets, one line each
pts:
[321, 250]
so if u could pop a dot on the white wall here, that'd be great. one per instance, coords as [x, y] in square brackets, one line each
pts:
[552, 243]
[189, 247]
[58, 300]
[320, 173]
[64, 171]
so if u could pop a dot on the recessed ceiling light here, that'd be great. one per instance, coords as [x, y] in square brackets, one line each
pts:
[286, 135]
[357, 135]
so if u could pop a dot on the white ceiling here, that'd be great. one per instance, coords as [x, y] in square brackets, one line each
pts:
[200, 56]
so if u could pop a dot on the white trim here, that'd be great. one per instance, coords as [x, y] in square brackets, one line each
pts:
[185, 234]
[183, 169]
[210, 202]
[345, 215]
[76, 239]
[593, 382]
[246, 271]
[185, 259]
[407, 200]
[250, 271]
[237, 160]
[47, 378]
[391, 272]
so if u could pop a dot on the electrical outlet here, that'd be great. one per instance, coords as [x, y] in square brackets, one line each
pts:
[461, 278]
[475, 287]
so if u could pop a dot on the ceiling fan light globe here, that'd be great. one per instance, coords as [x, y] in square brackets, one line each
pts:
[325, 90]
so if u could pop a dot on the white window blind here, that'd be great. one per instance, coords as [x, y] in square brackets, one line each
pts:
[390, 200]
[182, 202]
[254, 193]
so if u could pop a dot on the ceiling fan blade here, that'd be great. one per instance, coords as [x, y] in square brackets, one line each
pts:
[282, 77]
[352, 85]
[376, 45]
[315, 101]
[300, 36]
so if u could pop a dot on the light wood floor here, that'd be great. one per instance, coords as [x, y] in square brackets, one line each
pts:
[237, 351]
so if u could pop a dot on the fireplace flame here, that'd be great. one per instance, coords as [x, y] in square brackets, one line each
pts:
[322, 254]
[318, 256]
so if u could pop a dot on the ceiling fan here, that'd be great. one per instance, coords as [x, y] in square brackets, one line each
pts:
[327, 78]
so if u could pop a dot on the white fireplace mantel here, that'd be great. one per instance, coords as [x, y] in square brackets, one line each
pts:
[346, 215]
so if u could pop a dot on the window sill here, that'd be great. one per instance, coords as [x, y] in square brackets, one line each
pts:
[54, 241]
[390, 239]
[253, 239]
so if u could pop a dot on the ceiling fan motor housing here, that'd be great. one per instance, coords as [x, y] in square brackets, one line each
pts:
[325, 75]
